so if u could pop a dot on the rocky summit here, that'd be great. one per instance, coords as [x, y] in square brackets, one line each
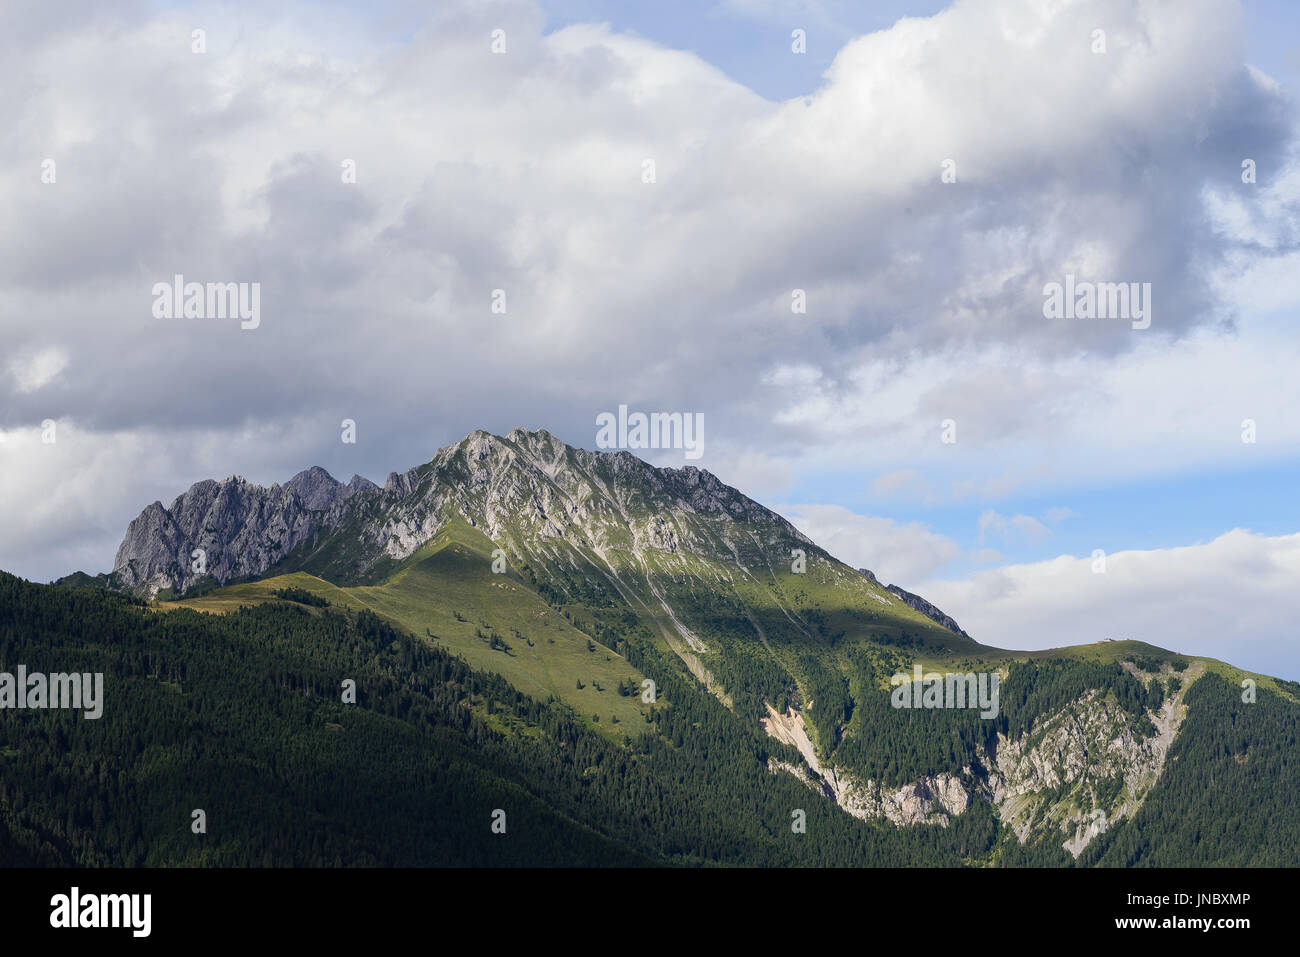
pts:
[240, 529]
[527, 491]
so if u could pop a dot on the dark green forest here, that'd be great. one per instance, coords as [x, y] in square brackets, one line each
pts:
[243, 716]
[1232, 778]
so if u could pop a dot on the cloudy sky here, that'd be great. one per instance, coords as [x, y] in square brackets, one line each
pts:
[653, 186]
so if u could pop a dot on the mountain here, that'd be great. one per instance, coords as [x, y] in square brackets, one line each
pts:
[599, 529]
[623, 610]
[528, 491]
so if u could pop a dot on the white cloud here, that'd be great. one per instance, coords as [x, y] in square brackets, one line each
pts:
[897, 553]
[79, 492]
[1234, 598]
[617, 288]
[1016, 527]
[1163, 409]
[757, 474]
[37, 369]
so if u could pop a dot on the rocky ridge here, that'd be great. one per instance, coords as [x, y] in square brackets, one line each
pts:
[228, 530]
[1067, 754]
[918, 603]
[529, 492]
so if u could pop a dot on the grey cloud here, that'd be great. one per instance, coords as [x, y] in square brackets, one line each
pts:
[522, 172]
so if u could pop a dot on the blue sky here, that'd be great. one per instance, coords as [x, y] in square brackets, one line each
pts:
[746, 40]
[742, 38]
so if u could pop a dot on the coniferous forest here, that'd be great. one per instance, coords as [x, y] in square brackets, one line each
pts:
[243, 717]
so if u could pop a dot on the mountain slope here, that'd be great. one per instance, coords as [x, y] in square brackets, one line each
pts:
[584, 578]
[710, 571]
[240, 715]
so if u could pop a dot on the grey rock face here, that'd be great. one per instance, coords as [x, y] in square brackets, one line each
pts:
[154, 545]
[528, 491]
[226, 530]
[917, 603]
[316, 489]
[360, 484]
[927, 609]
[1042, 783]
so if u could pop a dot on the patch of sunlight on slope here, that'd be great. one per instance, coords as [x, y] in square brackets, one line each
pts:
[447, 594]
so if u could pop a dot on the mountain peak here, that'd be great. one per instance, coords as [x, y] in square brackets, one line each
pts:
[359, 483]
[316, 488]
[520, 434]
[581, 521]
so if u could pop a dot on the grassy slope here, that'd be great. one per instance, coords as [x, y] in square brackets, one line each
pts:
[452, 575]
[826, 611]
